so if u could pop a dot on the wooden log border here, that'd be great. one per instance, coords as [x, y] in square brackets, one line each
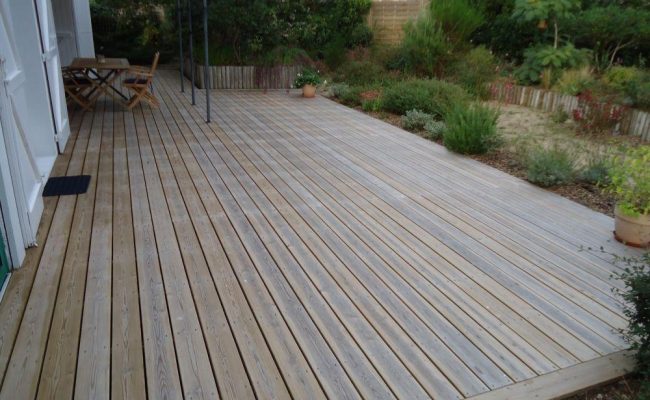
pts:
[636, 122]
[244, 76]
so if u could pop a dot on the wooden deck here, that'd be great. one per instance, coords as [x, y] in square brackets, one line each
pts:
[299, 249]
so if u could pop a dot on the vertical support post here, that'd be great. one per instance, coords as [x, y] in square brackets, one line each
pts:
[192, 69]
[179, 11]
[206, 64]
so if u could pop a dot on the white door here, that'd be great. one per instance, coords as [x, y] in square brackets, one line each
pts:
[25, 165]
[52, 63]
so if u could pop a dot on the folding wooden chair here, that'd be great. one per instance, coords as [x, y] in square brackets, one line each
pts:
[142, 84]
[78, 87]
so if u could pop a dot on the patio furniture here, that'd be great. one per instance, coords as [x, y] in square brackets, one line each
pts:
[104, 72]
[141, 83]
[78, 87]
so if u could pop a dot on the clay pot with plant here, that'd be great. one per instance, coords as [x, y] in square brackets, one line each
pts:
[308, 80]
[630, 185]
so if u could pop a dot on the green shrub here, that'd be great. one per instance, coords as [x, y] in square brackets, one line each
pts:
[636, 300]
[361, 35]
[596, 172]
[425, 47]
[458, 18]
[307, 76]
[373, 105]
[638, 91]
[550, 167]
[475, 70]
[415, 120]
[575, 81]
[434, 129]
[346, 93]
[334, 52]
[429, 95]
[540, 58]
[471, 129]
[360, 73]
[630, 181]
[620, 77]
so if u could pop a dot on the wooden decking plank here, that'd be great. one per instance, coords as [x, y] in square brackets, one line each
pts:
[434, 205]
[194, 366]
[161, 368]
[403, 315]
[406, 142]
[386, 364]
[186, 210]
[94, 360]
[19, 287]
[459, 261]
[559, 384]
[526, 267]
[127, 357]
[367, 381]
[264, 374]
[478, 256]
[22, 376]
[59, 369]
[514, 367]
[220, 168]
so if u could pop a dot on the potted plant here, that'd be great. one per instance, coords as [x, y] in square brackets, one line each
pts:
[308, 79]
[630, 184]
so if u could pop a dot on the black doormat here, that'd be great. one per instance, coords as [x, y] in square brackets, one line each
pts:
[65, 185]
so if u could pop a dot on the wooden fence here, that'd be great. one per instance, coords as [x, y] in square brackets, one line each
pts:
[635, 122]
[387, 18]
[244, 77]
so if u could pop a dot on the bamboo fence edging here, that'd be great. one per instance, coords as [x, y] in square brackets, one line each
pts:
[635, 122]
[244, 76]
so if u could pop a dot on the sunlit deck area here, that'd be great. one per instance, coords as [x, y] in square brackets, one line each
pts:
[297, 248]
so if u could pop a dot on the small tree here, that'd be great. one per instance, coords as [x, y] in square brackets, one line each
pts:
[608, 30]
[545, 10]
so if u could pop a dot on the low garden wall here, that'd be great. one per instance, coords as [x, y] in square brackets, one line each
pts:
[244, 76]
[635, 122]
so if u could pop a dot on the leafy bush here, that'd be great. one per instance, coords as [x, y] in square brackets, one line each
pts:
[575, 81]
[425, 48]
[361, 35]
[434, 129]
[559, 116]
[639, 92]
[347, 94]
[457, 18]
[636, 298]
[475, 70]
[539, 58]
[596, 172]
[308, 76]
[415, 120]
[471, 130]
[429, 95]
[630, 181]
[550, 167]
[371, 105]
[360, 73]
[620, 77]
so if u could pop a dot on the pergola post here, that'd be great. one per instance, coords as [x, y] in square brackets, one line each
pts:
[179, 11]
[206, 65]
[189, 17]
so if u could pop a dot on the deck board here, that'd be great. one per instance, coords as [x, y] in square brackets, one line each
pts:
[299, 249]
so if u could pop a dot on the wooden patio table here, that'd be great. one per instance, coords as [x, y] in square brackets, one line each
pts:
[105, 72]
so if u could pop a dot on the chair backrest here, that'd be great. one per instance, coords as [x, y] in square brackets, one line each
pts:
[154, 64]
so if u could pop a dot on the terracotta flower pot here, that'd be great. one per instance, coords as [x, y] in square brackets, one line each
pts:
[309, 91]
[633, 231]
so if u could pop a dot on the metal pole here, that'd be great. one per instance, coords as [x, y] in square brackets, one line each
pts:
[189, 16]
[205, 65]
[179, 11]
